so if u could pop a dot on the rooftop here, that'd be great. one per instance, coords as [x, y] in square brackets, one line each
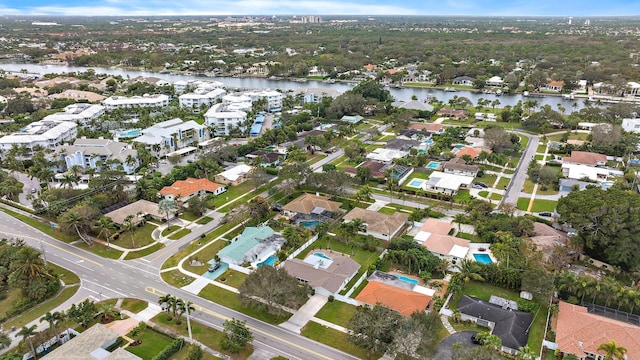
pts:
[189, 186]
[376, 221]
[236, 172]
[585, 158]
[84, 346]
[249, 243]
[406, 302]
[331, 277]
[141, 206]
[306, 203]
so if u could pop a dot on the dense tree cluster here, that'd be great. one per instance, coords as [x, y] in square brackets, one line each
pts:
[269, 288]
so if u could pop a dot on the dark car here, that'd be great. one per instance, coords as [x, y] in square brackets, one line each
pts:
[214, 267]
[482, 184]
[546, 214]
[474, 339]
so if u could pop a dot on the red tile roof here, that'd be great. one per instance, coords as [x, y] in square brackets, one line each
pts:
[189, 186]
[429, 127]
[473, 152]
[406, 302]
[585, 157]
[578, 331]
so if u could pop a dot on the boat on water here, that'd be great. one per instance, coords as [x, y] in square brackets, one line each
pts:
[448, 89]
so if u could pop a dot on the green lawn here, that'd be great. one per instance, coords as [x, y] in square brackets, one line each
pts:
[232, 278]
[333, 338]
[524, 141]
[152, 343]
[232, 193]
[572, 136]
[540, 205]
[134, 305]
[204, 220]
[337, 312]
[182, 355]
[176, 278]
[463, 195]
[144, 252]
[189, 216]
[45, 227]
[359, 288]
[496, 197]
[101, 250]
[232, 300]
[8, 298]
[38, 311]
[483, 193]
[528, 188]
[539, 157]
[170, 229]
[141, 237]
[69, 277]
[208, 253]
[180, 234]
[503, 182]
[488, 179]
[541, 148]
[523, 203]
[387, 210]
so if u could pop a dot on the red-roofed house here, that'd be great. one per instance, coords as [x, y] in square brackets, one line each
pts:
[404, 301]
[473, 152]
[554, 85]
[585, 158]
[580, 333]
[370, 67]
[183, 190]
[434, 128]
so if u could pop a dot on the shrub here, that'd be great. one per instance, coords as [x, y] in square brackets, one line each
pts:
[171, 349]
[331, 298]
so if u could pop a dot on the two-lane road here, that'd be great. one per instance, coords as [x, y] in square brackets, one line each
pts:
[108, 278]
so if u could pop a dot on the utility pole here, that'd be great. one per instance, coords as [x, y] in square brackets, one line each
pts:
[44, 253]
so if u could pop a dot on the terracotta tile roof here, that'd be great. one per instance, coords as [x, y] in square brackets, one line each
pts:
[585, 157]
[436, 227]
[428, 127]
[189, 186]
[370, 67]
[406, 302]
[473, 152]
[376, 221]
[576, 326]
[307, 202]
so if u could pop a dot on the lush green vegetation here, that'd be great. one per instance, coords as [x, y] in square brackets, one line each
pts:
[232, 300]
[176, 278]
[144, 252]
[180, 234]
[333, 338]
[151, 343]
[134, 305]
[337, 312]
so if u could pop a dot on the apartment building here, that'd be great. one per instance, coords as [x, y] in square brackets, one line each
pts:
[46, 134]
[123, 102]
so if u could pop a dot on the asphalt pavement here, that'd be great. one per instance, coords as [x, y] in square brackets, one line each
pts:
[517, 181]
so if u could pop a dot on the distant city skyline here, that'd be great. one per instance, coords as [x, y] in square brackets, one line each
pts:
[321, 7]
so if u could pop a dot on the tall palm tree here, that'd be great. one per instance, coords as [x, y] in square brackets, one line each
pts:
[107, 312]
[28, 267]
[612, 350]
[51, 318]
[469, 270]
[459, 219]
[73, 219]
[167, 301]
[5, 341]
[27, 333]
[183, 306]
[105, 224]
[130, 226]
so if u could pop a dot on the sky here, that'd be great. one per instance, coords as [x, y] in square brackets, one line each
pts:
[574, 8]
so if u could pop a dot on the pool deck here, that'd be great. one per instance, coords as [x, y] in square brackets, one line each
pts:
[474, 248]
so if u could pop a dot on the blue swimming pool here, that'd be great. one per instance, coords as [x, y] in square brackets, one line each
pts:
[310, 224]
[416, 183]
[483, 258]
[433, 165]
[406, 279]
[271, 260]
[321, 255]
[129, 133]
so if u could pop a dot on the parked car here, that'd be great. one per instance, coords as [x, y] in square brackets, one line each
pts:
[33, 190]
[546, 214]
[215, 266]
[483, 185]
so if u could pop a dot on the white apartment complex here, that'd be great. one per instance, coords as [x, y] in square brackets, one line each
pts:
[223, 118]
[119, 102]
[172, 135]
[87, 153]
[47, 134]
[78, 113]
[274, 98]
[201, 96]
[181, 86]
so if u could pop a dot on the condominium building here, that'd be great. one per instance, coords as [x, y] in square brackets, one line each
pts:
[172, 135]
[79, 113]
[119, 102]
[91, 153]
[274, 98]
[47, 134]
[222, 118]
[201, 96]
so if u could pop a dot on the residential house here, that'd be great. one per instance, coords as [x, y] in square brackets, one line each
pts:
[494, 81]
[402, 144]
[316, 95]
[379, 225]
[267, 158]
[376, 168]
[389, 291]
[511, 326]
[463, 80]
[386, 155]
[569, 185]
[235, 175]
[471, 151]
[325, 271]
[307, 204]
[459, 167]
[224, 117]
[412, 105]
[434, 235]
[414, 134]
[139, 210]
[92, 344]
[580, 333]
[456, 114]
[446, 183]
[123, 102]
[434, 129]
[353, 119]
[172, 135]
[183, 190]
[579, 172]
[273, 98]
[78, 95]
[553, 85]
[91, 153]
[631, 125]
[46, 134]
[585, 158]
[253, 246]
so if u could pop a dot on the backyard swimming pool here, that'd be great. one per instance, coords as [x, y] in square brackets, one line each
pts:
[321, 255]
[433, 165]
[310, 224]
[483, 258]
[271, 260]
[406, 279]
[416, 182]
[129, 133]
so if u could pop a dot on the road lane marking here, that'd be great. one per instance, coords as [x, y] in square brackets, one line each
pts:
[223, 317]
[54, 246]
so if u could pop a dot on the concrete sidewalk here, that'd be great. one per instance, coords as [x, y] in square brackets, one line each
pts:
[305, 313]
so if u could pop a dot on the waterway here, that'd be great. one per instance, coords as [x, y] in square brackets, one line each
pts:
[401, 94]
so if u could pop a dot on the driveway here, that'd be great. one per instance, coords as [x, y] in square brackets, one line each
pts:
[444, 350]
[29, 184]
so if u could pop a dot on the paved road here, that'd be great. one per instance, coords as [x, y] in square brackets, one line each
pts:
[517, 181]
[105, 278]
[29, 184]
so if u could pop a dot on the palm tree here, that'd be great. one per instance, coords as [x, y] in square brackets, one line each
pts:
[105, 224]
[27, 333]
[526, 353]
[166, 302]
[612, 350]
[459, 219]
[73, 219]
[68, 180]
[130, 226]
[52, 319]
[166, 206]
[29, 268]
[107, 312]
[469, 270]
[5, 341]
